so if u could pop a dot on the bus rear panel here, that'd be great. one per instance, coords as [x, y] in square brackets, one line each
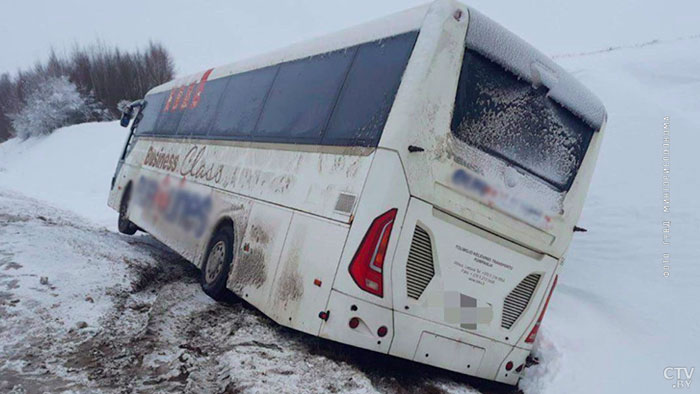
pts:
[487, 163]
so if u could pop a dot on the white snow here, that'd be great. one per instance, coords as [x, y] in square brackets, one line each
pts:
[70, 169]
[61, 250]
[615, 322]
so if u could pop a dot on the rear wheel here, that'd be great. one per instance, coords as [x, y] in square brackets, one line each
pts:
[124, 224]
[217, 264]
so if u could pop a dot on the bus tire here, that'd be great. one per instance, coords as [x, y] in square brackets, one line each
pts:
[124, 225]
[217, 264]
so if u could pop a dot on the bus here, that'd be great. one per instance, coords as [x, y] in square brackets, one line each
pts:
[408, 186]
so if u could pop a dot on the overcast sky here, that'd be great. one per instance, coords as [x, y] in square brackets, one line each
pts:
[201, 34]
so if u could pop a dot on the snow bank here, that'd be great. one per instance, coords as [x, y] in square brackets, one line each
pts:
[70, 168]
[38, 243]
[614, 322]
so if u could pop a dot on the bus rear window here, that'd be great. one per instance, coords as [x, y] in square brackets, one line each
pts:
[506, 117]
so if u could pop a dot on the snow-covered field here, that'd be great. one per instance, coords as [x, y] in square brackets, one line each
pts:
[615, 322]
[69, 169]
[613, 325]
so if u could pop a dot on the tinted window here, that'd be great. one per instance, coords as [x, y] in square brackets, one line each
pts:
[506, 117]
[369, 91]
[154, 104]
[302, 97]
[242, 102]
[198, 120]
[169, 120]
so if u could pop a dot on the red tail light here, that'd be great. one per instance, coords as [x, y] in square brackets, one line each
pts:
[533, 333]
[367, 266]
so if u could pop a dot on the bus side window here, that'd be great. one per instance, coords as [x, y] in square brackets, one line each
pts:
[197, 121]
[302, 97]
[242, 102]
[168, 122]
[154, 105]
[369, 91]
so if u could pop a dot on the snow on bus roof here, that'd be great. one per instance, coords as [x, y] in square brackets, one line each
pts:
[387, 26]
[484, 35]
[517, 56]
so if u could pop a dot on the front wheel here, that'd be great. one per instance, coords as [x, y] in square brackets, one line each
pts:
[124, 224]
[217, 264]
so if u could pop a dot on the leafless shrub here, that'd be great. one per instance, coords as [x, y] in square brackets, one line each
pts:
[102, 75]
[54, 102]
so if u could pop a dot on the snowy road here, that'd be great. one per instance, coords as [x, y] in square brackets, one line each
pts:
[124, 314]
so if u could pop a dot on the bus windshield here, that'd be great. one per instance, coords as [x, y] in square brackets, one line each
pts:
[508, 118]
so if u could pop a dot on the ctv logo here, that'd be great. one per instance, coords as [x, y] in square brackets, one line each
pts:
[681, 376]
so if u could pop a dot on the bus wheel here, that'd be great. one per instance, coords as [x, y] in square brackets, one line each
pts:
[217, 263]
[124, 224]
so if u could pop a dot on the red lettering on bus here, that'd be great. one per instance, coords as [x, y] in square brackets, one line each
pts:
[170, 100]
[180, 92]
[186, 101]
[200, 88]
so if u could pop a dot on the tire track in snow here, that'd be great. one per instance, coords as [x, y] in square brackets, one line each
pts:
[148, 327]
[621, 47]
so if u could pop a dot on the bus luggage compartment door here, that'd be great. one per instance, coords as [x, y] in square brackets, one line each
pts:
[305, 272]
[452, 273]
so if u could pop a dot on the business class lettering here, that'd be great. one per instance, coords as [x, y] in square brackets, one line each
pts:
[174, 204]
[194, 164]
[160, 159]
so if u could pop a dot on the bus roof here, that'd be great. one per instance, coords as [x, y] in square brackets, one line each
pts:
[387, 26]
[484, 35]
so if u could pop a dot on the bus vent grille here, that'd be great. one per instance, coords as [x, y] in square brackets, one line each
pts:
[345, 203]
[419, 268]
[518, 299]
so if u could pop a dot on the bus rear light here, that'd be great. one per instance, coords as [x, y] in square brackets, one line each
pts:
[367, 265]
[324, 315]
[509, 365]
[382, 331]
[354, 322]
[536, 328]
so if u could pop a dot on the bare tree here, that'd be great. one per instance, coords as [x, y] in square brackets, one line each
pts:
[52, 103]
[102, 75]
[8, 104]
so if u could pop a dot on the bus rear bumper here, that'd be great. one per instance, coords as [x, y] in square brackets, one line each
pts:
[366, 331]
[456, 350]
[420, 340]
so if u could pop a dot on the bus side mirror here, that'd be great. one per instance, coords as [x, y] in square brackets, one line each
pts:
[126, 117]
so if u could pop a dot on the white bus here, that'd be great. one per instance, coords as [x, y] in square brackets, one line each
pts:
[408, 186]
